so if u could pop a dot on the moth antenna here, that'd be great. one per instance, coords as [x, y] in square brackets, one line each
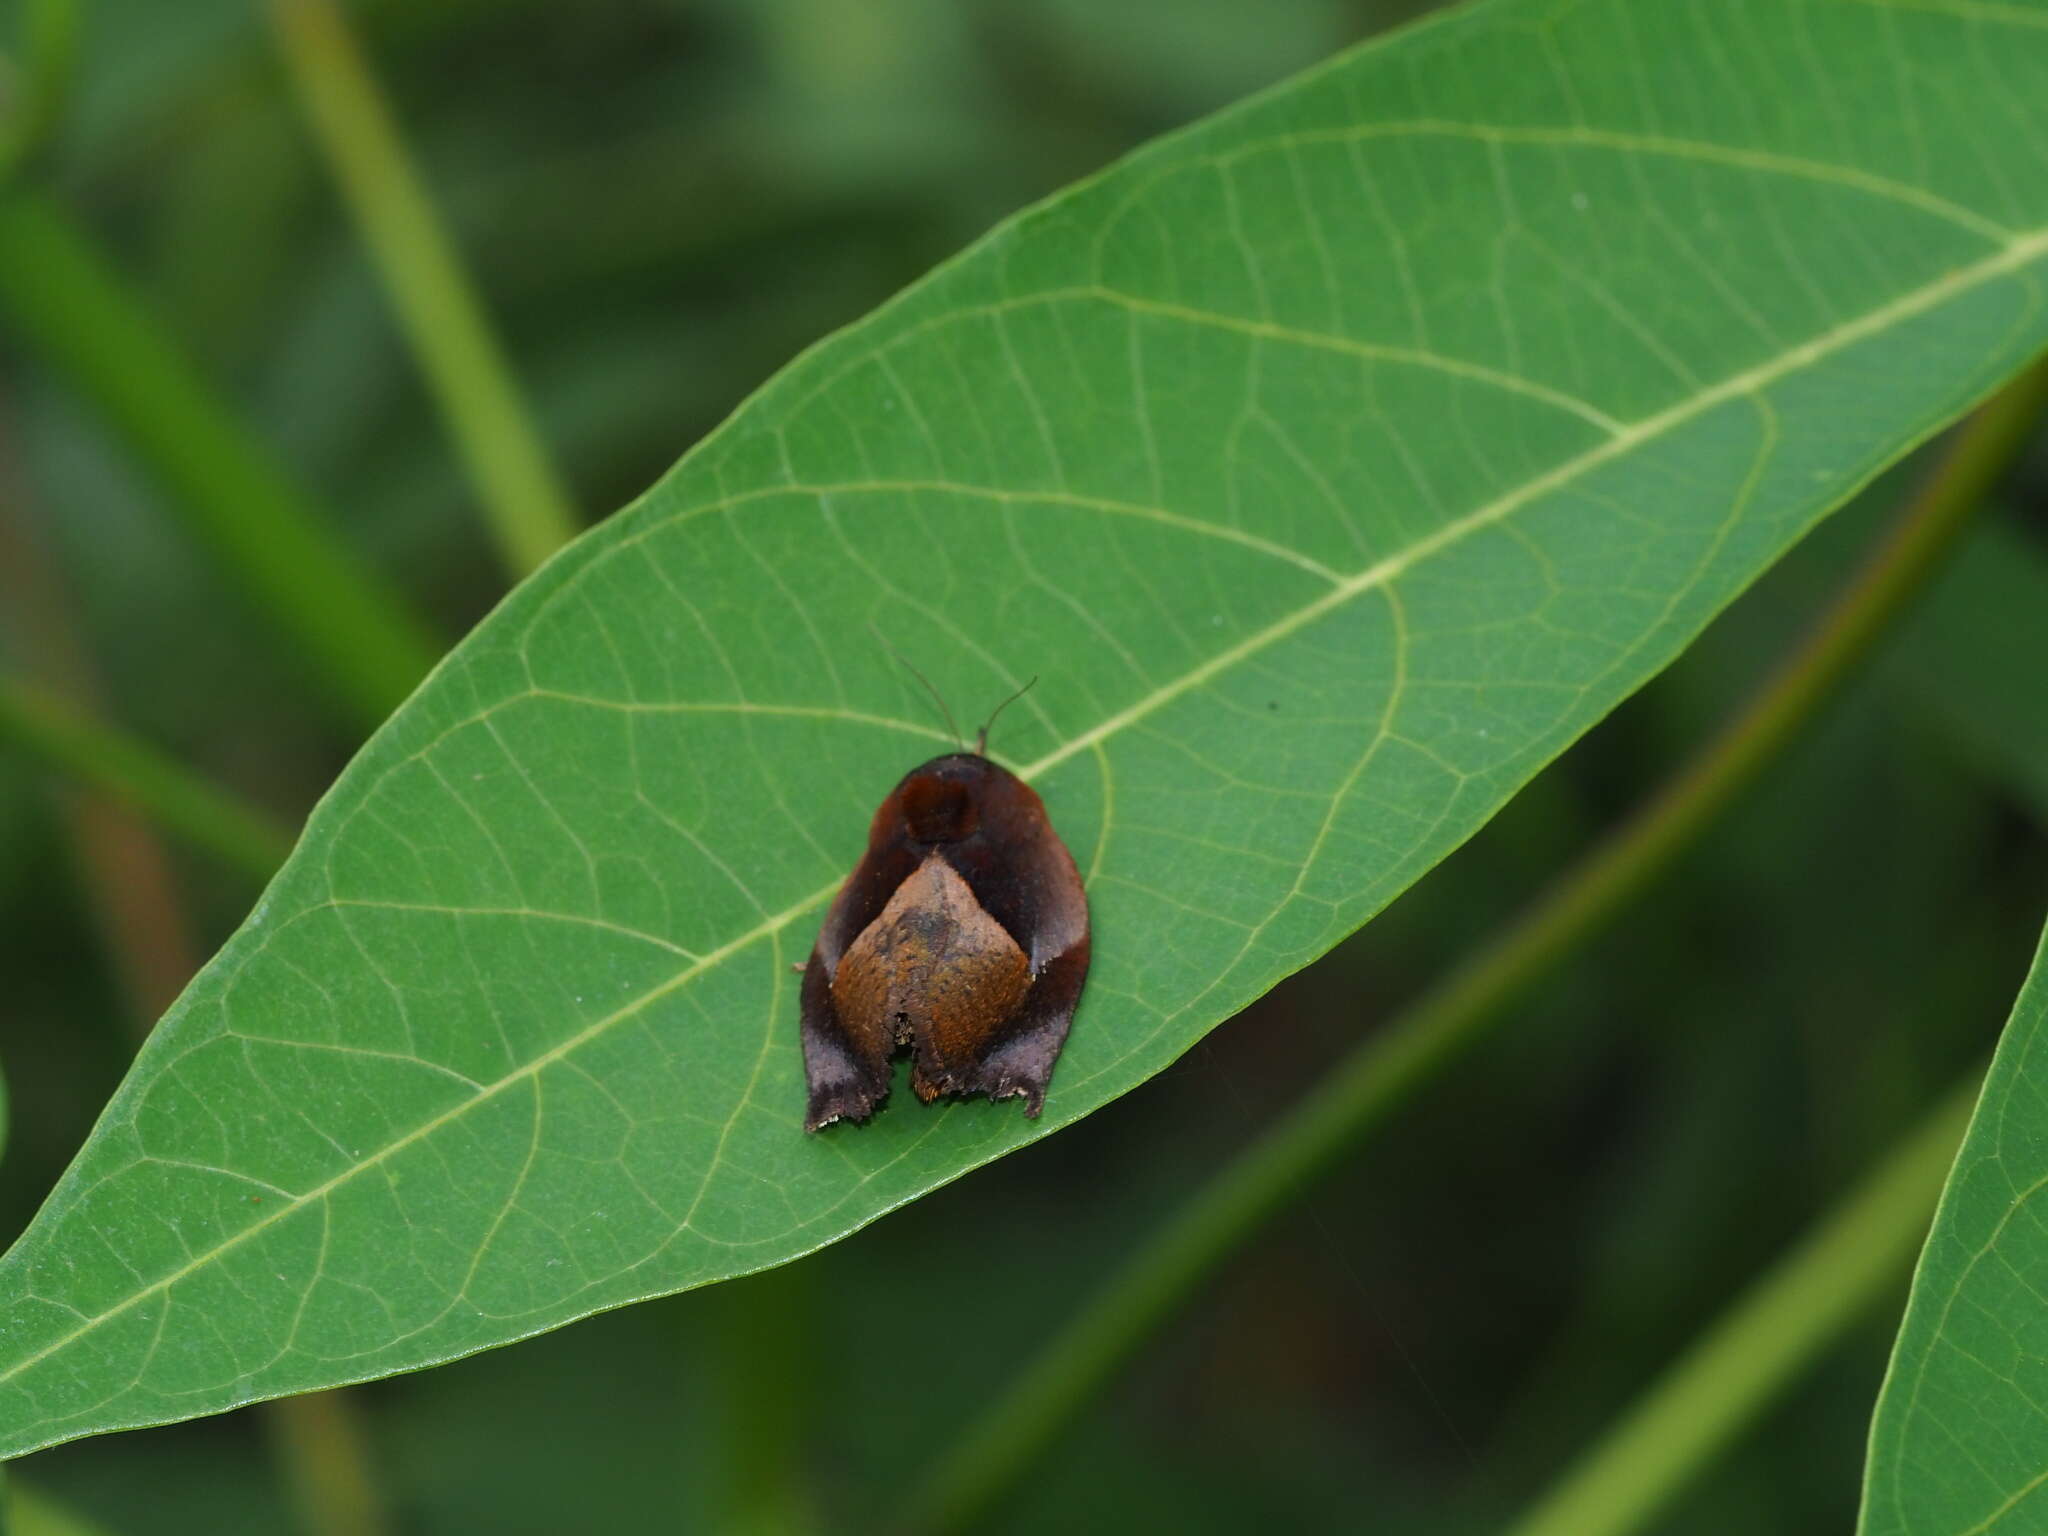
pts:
[981, 740]
[951, 724]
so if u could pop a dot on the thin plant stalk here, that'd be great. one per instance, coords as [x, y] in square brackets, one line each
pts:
[759, 1329]
[46, 46]
[1387, 1070]
[60, 294]
[443, 318]
[31, 1512]
[1846, 1262]
[324, 1459]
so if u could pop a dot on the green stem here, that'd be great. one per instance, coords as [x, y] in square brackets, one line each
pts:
[760, 1331]
[144, 777]
[1385, 1071]
[323, 1451]
[443, 318]
[33, 1513]
[47, 48]
[57, 292]
[1787, 1317]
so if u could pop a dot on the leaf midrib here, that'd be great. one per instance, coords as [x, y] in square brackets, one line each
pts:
[2017, 252]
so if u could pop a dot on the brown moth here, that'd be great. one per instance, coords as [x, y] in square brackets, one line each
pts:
[961, 936]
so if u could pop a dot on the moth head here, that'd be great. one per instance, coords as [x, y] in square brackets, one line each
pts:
[941, 801]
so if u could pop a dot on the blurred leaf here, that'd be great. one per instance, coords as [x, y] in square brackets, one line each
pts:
[1960, 1441]
[1335, 463]
[1973, 658]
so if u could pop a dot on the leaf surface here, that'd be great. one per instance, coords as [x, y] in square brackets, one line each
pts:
[1960, 1442]
[1335, 463]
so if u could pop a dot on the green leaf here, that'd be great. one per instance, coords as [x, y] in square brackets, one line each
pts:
[1335, 463]
[1960, 1442]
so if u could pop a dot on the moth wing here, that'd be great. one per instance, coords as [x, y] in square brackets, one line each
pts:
[846, 1069]
[1025, 878]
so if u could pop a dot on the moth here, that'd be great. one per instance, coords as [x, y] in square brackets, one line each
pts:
[961, 936]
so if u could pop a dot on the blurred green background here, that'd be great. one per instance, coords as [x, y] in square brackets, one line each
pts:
[662, 201]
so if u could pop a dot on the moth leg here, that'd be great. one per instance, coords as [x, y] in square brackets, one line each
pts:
[848, 1077]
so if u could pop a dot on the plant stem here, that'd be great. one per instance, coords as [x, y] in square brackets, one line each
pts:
[1786, 1317]
[1386, 1070]
[58, 292]
[761, 1331]
[145, 778]
[522, 496]
[47, 47]
[32, 1513]
[324, 1460]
